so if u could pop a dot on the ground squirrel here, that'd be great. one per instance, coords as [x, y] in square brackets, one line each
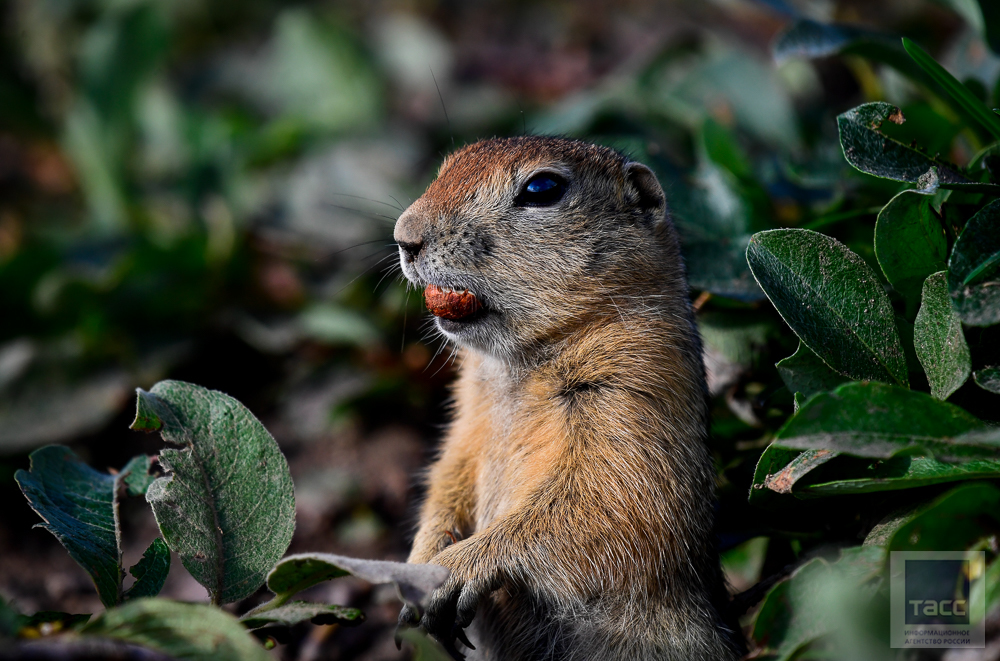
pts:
[573, 496]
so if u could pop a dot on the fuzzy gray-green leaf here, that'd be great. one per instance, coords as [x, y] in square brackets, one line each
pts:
[910, 243]
[832, 300]
[295, 612]
[881, 421]
[874, 153]
[298, 572]
[804, 372]
[227, 507]
[151, 571]
[198, 632]
[136, 475]
[939, 341]
[77, 504]
[974, 268]
[988, 378]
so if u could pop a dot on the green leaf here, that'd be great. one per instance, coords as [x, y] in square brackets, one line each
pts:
[742, 564]
[720, 147]
[425, 648]
[872, 152]
[953, 87]
[808, 38]
[974, 268]
[227, 507]
[910, 243]
[991, 23]
[832, 300]
[880, 421]
[854, 476]
[991, 586]
[804, 372]
[719, 266]
[198, 632]
[939, 341]
[136, 475]
[151, 571]
[797, 611]
[952, 521]
[298, 572]
[784, 480]
[771, 462]
[337, 325]
[77, 504]
[988, 378]
[9, 620]
[295, 612]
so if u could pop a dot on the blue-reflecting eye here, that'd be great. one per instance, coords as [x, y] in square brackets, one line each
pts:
[542, 190]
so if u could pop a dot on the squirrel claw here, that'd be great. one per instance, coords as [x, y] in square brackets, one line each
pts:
[463, 638]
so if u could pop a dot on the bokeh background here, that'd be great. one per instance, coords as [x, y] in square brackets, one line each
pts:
[205, 190]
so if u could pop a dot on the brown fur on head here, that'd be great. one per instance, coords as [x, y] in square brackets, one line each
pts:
[471, 231]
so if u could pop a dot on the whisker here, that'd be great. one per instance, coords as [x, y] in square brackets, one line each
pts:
[368, 199]
[360, 212]
[355, 278]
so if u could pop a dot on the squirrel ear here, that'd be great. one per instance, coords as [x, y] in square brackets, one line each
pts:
[651, 198]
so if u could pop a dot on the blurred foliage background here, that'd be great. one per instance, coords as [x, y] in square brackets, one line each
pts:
[206, 191]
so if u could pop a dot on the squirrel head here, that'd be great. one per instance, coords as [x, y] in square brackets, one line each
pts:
[519, 241]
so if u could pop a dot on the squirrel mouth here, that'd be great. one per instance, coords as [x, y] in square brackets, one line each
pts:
[448, 303]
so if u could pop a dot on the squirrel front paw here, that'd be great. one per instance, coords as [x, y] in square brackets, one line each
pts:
[450, 608]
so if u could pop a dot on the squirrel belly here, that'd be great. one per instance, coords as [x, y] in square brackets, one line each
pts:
[572, 498]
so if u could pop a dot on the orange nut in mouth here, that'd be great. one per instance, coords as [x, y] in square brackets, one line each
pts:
[450, 304]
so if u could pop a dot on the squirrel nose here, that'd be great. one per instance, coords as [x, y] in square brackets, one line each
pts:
[410, 249]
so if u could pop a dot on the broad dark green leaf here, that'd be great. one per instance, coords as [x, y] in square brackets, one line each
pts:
[197, 632]
[952, 522]
[910, 243]
[798, 610]
[832, 300]
[872, 152]
[295, 612]
[804, 372]
[298, 572]
[227, 506]
[855, 476]
[77, 504]
[939, 341]
[880, 421]
[151, 571]
[954, 88]
[974, 268]
[988, 378]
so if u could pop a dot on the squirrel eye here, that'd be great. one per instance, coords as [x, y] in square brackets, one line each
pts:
[542, 190]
